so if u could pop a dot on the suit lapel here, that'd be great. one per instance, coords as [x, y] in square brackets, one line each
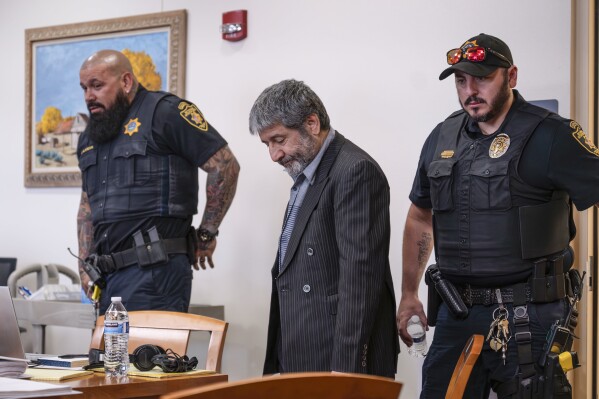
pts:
[312, 196]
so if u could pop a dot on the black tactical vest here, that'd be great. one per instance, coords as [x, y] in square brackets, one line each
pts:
[130, 177]
[479, 234]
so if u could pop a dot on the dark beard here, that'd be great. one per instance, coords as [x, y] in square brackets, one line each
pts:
[105, 126]
[497, 103]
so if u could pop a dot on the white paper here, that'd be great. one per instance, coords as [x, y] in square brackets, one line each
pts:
[15, 387]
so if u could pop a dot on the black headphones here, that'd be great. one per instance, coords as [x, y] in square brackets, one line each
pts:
[148, 356]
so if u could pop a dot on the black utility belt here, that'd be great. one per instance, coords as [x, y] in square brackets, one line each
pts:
[488, 296]
[150, 254]
[541, 287]
[537, 289]
[145, 253]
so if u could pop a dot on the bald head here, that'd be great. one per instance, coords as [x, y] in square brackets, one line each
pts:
[104, 75]
[113, 60]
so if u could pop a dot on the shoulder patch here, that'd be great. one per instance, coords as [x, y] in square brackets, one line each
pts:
[193, 116]
[582, 138]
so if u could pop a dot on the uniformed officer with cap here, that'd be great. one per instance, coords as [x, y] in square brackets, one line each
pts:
[493, 191]
[139, 158]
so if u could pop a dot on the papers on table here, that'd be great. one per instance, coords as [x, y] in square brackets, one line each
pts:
[38, 373]
[12, 367]
[156, 372]
[20, 388]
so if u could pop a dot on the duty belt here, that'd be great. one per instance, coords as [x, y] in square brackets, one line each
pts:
[130, 256]
[486, 296]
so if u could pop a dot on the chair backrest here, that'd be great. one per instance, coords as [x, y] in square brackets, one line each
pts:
[170, 330]
[298, 386]
[46, 274]
[464, 366]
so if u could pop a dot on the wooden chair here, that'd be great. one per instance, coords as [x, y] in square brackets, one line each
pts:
[298, 386]
[170, 330]
[464, 366]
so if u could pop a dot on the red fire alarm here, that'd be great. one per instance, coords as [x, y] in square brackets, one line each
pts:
[235, 25]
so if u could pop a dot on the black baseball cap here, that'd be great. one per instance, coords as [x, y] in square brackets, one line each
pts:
[498, 55]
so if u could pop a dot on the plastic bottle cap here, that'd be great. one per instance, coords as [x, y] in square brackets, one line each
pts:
[415, 319]
[115, 299]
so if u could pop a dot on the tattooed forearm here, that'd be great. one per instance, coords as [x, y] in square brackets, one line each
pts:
[221, 183]
[84, 234]
[424, 248]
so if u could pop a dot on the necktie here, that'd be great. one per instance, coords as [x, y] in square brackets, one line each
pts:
[292, 210]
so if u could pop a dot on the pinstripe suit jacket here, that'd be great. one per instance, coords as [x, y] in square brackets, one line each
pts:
[333, 303]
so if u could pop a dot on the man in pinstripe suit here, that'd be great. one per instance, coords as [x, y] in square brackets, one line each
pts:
[333, 304]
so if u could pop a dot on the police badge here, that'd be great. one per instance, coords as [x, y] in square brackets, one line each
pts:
[132, 126]
[499, 145]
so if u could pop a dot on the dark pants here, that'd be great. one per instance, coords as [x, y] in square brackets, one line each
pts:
[161, 287]
[451, 336]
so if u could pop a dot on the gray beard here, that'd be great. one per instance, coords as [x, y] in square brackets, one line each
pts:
[306, 152]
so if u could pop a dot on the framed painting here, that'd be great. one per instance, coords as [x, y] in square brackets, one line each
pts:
[55, 111]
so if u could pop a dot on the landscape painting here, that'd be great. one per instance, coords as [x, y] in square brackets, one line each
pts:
[57, 113]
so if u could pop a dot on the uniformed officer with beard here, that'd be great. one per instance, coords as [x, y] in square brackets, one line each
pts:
[139, 158]
[493, 188]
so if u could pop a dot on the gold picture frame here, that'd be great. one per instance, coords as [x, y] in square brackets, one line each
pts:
[55, 112]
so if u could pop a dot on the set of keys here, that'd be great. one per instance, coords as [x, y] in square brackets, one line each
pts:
[499, 333]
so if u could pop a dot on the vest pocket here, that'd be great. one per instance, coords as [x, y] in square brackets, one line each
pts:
[440, 175]
[87, 163]
[131, 165]
[491, 188]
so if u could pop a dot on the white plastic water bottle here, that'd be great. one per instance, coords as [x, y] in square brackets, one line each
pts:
[416, 330]
[116, 339]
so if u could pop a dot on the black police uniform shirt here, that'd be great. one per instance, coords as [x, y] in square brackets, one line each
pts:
[173, 133]
[558, 156]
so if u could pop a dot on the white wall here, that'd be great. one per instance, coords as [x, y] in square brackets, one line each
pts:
[375, 65]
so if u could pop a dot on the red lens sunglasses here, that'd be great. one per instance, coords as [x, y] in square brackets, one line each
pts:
[472, 54]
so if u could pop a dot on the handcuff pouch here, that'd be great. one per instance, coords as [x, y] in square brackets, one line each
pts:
[152, 252]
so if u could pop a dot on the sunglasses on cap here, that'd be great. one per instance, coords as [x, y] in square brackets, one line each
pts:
[472, 54]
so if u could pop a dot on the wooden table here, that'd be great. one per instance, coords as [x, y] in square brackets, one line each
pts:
[97, 386]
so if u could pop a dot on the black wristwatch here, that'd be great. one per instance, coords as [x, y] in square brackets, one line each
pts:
[205, 235]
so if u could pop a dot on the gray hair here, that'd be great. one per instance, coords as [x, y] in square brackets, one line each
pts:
[288, 103]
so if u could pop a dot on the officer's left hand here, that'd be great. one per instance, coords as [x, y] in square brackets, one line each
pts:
[205, 251]
[408, 306]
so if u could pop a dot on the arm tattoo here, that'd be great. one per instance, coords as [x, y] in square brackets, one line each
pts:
[84, 233]
[424, 249]
[223, 171]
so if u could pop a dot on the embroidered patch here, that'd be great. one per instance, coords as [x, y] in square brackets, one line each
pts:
[86, 149]
[582, 138]
[193, 116]
[468, 44]
[132, 126]
[499, 145]
[447, 154]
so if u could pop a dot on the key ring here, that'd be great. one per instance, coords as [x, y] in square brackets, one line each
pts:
[503, 313]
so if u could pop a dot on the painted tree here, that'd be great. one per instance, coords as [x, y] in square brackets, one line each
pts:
[49, 121]
[144, 69]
